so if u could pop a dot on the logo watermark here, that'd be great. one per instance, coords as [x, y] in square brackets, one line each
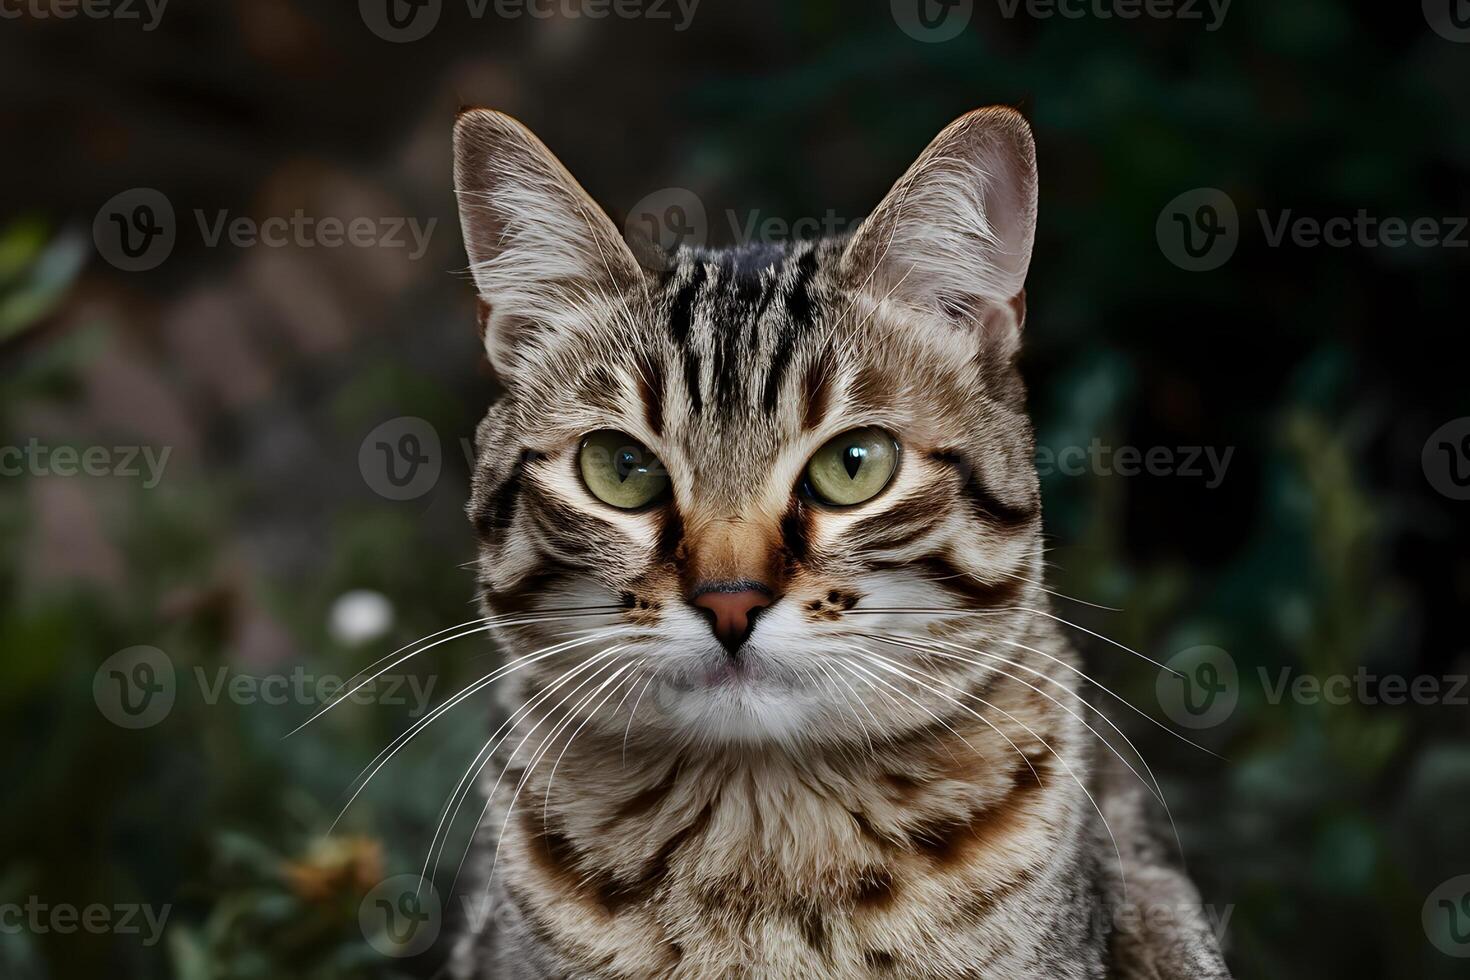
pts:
[402, 916]
[1363, 230]
[1446, 917]
[405, 21]
[138, 687]
[1207, 463]
[306, 231]
[401, 459]
[932, 21]
[673, 218]
[1199, 687]
[124, 462]
[1160, 918]
[1199, 230]
[137, 230]
[39, 918]
[1209, 12]
[1364, 687]
[1450, 19]
[147, 13]
[1446, 459]
[135, 688]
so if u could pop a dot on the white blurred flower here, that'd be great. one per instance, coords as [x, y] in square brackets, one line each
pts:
[359, 617]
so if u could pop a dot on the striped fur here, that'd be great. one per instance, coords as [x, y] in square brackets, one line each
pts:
[880, 793]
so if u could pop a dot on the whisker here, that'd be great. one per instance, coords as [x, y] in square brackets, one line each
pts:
[1155, 790]
[1023, 577]
[487, 752]
[531, 768]
[1104, 688]
[1080, 785]
[922, 707]
[1105, 639]
[551, 778]
[877, 690]
[652, 676]
[828, 687]
[919, 611]
[386, 755]
[485, 624]
[601, 659]
[893, 668]
[479, 624]
[849, 701]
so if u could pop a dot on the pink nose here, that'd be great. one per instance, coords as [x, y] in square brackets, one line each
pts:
[731, 608]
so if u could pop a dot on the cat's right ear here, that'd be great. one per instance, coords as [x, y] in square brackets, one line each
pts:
[953, 238]
[540, 249]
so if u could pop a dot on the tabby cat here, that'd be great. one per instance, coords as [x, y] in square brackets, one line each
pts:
[761, 530]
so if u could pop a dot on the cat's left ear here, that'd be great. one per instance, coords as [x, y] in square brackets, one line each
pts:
[542, 253]
[953, 237]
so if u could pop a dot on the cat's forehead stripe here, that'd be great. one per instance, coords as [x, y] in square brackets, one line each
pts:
[720, 316]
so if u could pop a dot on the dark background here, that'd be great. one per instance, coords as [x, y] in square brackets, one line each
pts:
[1324, 828]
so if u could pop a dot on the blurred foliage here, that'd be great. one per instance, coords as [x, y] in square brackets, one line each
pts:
[1323, 827]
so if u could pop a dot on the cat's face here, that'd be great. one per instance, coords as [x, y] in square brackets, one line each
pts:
[750, 489]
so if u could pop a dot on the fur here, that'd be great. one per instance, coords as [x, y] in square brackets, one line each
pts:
[895, 777]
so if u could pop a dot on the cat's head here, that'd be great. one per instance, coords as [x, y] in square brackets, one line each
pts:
[765, 483]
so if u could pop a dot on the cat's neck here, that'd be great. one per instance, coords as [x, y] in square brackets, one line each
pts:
[854, 845]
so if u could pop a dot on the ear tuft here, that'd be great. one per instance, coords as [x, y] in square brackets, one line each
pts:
[540, 249]
[953, 237]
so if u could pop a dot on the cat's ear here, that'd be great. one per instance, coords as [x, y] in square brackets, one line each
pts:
[540, 249]
[953, 238]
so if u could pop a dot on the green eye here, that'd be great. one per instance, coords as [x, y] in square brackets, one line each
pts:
[853, 468]
[621, 471]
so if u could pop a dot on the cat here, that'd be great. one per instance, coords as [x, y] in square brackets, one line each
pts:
[761, 532]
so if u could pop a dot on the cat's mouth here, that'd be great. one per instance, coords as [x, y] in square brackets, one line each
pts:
[744, 674]
[730, 672]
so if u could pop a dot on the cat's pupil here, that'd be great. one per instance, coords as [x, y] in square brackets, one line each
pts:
[852, 460]
[625, 463]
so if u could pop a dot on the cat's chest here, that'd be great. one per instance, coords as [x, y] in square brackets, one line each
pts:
[760, 876]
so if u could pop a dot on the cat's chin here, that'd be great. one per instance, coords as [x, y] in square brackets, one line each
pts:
[741, 703]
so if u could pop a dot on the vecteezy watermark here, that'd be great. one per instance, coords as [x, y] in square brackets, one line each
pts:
[1210, 12]
[1199, 687]
[38, 918]
[1207, 463]
[138, 687]
[135, 688]
[1446, 917]
[674, 217]
[402, 21]
[1157, 918]
[126, 462]
[402, 916]
[1364, 687]
[1446, 459]
[137, 230]
[401, 458]
[305, 231]
[932, 21]
[1363, 230]
[943, 20]
[146, 12]
[669, 219]
[301, 686]
[1450, 19]
[1200, 229]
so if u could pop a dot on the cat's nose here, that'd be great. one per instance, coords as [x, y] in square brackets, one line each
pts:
[731, 608]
